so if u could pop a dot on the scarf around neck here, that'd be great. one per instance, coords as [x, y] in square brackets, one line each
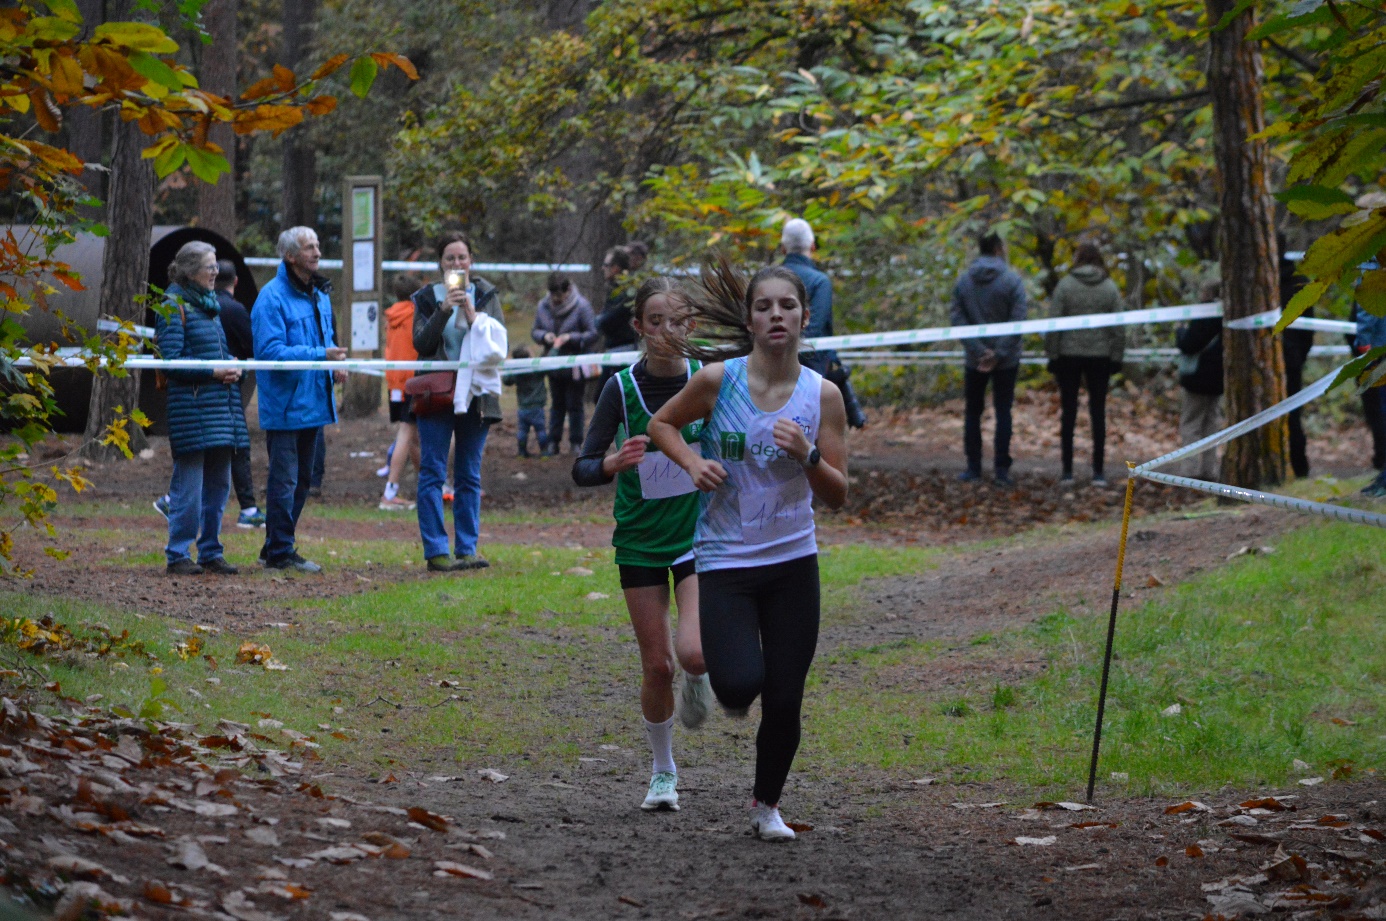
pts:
[561, 309]
[197, 296]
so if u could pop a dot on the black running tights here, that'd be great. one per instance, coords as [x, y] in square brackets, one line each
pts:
[759, 629]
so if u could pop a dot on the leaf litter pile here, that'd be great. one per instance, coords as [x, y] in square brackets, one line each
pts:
[110, 816]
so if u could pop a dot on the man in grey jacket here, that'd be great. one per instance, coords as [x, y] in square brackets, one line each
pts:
[990, 291]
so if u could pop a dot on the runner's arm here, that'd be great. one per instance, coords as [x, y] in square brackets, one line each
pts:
[695, 401]
[589, 469]
[828, 479]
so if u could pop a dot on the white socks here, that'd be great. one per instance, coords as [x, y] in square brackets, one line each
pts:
[661, 736]
[391, 490]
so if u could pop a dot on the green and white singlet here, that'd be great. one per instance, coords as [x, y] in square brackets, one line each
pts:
[656, 505]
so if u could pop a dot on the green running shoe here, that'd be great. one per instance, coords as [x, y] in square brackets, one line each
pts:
[663, 794]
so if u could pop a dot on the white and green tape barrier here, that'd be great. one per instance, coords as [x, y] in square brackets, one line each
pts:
[1315, 390]
[1271, 317]
[1152, 315]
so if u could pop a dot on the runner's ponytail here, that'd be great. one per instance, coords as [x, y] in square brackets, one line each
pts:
[722, 307]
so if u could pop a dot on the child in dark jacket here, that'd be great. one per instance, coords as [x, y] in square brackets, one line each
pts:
[532, 397]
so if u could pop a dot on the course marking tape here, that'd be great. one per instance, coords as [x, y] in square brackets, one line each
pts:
[1271, 317]
[1307, 395]
[1255, 496]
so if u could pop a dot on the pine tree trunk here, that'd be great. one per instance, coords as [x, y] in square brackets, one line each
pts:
[216, 204]
[1254, 366]
[124, 270]
[300, 165]
[83, 125]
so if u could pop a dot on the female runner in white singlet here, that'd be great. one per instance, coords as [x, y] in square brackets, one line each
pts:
[774, 436]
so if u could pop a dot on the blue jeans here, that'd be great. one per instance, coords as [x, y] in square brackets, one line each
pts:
[286, 487]
[197, 496]
[436, 431]
[319, 459]
[530, 419]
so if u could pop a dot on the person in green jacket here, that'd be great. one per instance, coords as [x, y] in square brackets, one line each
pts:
[1085, 355]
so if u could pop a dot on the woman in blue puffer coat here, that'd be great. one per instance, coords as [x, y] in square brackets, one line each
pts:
[206, 423]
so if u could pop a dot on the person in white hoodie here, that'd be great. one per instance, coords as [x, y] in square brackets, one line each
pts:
[457, 319]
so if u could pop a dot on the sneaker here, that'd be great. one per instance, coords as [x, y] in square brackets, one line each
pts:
[163, 506]
[1003, 479]
[184, 567]
[969, 476]
[695, 700]
[1066, 478]
[447, 493]
[767, 825]
[395, 505]
[218, 567]
[471, 561]
[663, 794]
[314, 492]
[441, 563]
[1100, 482]
[255, 519]
[1376, 489]
[294, 562]
[383, 471]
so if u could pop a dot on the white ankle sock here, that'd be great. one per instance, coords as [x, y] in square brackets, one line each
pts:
[391, 490]
[661, 736]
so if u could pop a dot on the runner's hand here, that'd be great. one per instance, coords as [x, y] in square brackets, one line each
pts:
[790, 438]
[630, 455]
[707, 474]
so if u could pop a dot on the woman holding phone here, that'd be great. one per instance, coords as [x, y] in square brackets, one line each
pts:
[656, 508]
[774, 436]
[444, 315]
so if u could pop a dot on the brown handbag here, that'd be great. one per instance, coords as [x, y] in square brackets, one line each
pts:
[432, 392]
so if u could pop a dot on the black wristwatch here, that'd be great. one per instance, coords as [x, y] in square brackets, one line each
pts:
[813, 458]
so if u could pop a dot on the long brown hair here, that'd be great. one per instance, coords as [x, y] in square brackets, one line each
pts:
[722, 305]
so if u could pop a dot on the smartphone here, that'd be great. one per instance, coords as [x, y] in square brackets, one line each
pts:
[455, 279]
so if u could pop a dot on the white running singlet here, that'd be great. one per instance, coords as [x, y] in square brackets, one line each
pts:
[763, 512]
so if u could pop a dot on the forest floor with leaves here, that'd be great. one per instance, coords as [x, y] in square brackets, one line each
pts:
[380, 743]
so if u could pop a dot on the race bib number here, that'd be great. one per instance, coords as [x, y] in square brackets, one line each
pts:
[661, 478]
[775, 500]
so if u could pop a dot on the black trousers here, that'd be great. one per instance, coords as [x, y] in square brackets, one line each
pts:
[566, 395]
[1071, 372]
[1374, 410]
[759, 630]
[240, 478]
[975, 400]
[1294, 383]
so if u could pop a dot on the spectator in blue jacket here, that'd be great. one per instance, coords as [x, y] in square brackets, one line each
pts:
[206, 424]
[292, 321]
[798, 243]
[990, 291]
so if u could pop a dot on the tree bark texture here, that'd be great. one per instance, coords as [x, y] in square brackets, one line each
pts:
[300, 166]
[1254, 367]
[84, 126]
[216, 204]
[124, 274]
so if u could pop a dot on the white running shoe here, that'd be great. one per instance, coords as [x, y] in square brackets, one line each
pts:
[695, 700]
[767, 824]
[663, 794]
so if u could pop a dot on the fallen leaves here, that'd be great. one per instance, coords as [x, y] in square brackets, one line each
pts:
[428, 819]
[252, 653]
[492, 775]
[1036, 842]
[1187, 806]
[445, 868]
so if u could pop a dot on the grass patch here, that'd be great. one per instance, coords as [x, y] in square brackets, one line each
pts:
[539, 665]
[1271, 658]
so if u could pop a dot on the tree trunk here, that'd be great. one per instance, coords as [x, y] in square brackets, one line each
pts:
[124, 272]
[84, 132]
[1254, 366]
[216, 204]
[300, 165]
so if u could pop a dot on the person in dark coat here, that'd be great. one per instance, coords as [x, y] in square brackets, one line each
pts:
[564, 325]
[990, 291]
[1295, 344]
[614, 322]
[1200, 376]
[235, 321]
[206, 423]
